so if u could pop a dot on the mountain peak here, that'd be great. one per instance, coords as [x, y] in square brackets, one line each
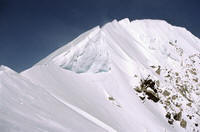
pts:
[146, 41]
[110, 78]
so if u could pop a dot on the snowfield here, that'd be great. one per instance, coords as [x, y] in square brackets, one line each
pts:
[127, 76]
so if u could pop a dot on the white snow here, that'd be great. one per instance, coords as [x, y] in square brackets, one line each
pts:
[89, 84]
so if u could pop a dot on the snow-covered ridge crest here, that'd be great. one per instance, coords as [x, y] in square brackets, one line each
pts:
[6, 69]
[140, 40]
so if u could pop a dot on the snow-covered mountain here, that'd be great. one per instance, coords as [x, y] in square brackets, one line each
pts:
[138, 76]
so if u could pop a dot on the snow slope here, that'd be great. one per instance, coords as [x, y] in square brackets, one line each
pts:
[96, 83]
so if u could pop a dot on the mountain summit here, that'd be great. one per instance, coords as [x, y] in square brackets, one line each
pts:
[140, 75]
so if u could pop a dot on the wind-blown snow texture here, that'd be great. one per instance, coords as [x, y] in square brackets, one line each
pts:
[123, 77]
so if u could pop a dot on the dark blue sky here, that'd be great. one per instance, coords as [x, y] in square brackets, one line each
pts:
[32, 29]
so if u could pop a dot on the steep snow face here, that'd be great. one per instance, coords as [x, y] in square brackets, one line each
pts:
[125, 76]
[88, 53]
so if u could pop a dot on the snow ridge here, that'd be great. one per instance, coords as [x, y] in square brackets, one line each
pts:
[140, 75]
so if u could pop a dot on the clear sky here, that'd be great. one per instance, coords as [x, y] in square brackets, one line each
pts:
[32, 29]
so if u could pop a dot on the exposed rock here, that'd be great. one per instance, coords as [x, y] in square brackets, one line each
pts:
[177, 116]
[195, 79]
[168, 115]
[111, 98]
[153, 66]
[183, 123]
[189, 104]
[137, 89]
[166, 93]
[176, 73]
[158, 83]
[196, 124]
[174, 97]
[152, 96]
[148, 87]
[158, 70]
[167, 102]
[189, 116]
[171, 121]
[142, 98]
[193, 71]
